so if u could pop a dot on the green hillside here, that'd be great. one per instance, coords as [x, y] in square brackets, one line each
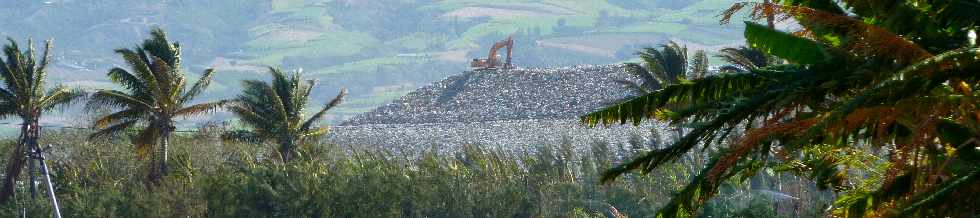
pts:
[377, 48]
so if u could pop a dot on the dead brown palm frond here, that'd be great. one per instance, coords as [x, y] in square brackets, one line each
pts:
[863, 39]
[750, 141]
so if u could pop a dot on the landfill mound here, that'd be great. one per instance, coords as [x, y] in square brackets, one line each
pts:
[509, 136]
[513, 94]
[513, 110]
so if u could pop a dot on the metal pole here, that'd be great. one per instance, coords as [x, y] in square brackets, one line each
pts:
[47, 179]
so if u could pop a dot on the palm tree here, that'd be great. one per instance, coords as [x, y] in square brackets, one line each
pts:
[666, 66]
[859, 84]
[155, 93]
[274, 112]
[743, 59]
[23, 95]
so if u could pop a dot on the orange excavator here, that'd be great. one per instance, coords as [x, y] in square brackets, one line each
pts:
[491, 62]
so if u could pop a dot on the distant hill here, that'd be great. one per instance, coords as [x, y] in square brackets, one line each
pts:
[380, 49]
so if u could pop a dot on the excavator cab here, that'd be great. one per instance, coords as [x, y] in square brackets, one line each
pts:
[493, 60]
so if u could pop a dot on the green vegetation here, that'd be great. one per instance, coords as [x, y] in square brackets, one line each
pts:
[24, 95]
[665, 67]
[221, 179]
[743, 59]
[351, 43]
[870, 110]
[156, 94]
[274, 112]
[898, 77]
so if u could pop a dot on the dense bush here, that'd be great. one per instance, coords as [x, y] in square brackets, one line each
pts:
[212, 178]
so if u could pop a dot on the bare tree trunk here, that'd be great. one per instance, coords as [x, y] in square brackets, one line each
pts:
[286, 149]
[164, 149]
[158, 162]
[28, 137]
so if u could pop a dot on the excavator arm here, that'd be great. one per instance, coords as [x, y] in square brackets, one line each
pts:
[491, 61]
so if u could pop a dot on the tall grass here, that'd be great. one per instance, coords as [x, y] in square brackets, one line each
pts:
[216, 179]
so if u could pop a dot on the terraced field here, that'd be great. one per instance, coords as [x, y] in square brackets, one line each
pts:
[363, 45]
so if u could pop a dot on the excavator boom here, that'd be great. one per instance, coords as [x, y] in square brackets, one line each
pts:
[491, 61]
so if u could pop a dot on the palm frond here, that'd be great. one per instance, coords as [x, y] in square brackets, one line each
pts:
[273, 111]
[705, 89]
[141, 69]
[934, 24]
[649, 81]
[269, 94]
[257, 121]
[911, 79]
[859, 37]
[128, 81]
[60, 96]
[701, 133]
[939, 194]
[315, 134]
[743, 58]
[202, 108]
[13, 70]
[167, 82]
[115, 99]
[699, 67]
[686, 202]
[39, 72]
[319, 115]
[785, 45]
[951, 13]
[146, 140]
[634, 86]
[119, 117]
[198, 86]
[159, 46]
[301, 95]
[112, 131]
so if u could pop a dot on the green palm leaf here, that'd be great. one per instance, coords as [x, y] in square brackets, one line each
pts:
[154, 93]
[24, 95]
[273, 111]
[784, 45]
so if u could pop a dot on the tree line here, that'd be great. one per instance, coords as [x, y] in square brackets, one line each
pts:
[154, 92]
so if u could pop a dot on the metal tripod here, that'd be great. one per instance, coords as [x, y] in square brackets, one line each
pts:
[37, 153]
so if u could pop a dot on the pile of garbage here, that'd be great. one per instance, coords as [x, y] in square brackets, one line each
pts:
[514, 109]
[514, 94]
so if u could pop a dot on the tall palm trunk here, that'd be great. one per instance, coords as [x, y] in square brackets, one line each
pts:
[29, 133]
[158, 160]
[165, 130]
[285, 149]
